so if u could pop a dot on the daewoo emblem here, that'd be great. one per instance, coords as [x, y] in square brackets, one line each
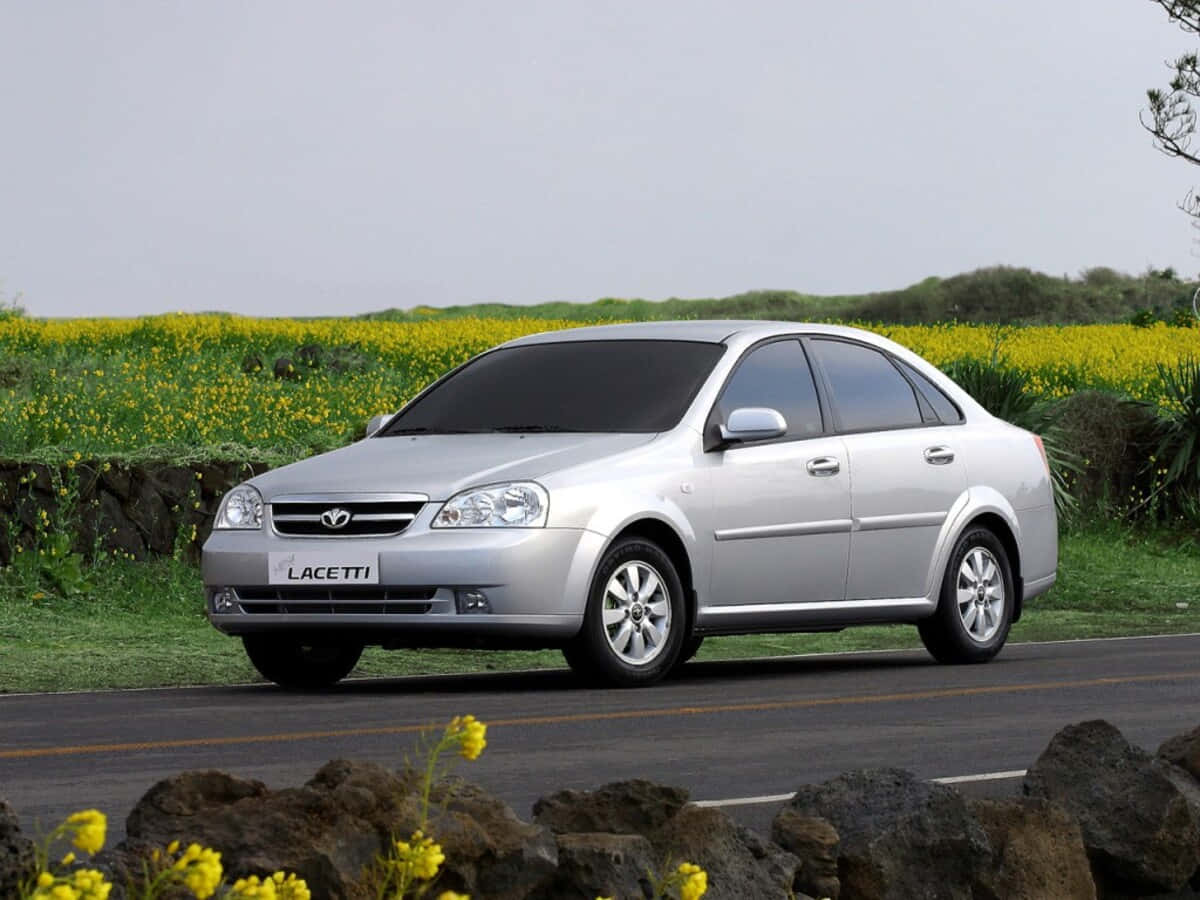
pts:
[335, 518]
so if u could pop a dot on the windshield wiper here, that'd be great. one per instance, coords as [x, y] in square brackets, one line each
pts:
[422, 429]
[534, 429]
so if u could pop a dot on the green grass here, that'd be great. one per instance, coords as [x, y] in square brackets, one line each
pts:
[141, 625]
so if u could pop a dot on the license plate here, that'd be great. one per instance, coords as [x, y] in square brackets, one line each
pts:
[323, 568]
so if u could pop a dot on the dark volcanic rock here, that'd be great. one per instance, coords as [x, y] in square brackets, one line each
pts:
[1140, 815]
[815, 843]
[739, 862]
[16, 852]
[901, 838]
[310, 356]
[331, 830]
[327, 831]
[623, 807]
[1184, 751]
[1039, 852]
[489, 851]
[285, 368]
[602, 865]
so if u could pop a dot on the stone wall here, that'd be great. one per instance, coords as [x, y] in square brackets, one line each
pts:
[1098, 819]
[142, 509]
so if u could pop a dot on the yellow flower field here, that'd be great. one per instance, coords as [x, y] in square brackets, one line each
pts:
[113, 386]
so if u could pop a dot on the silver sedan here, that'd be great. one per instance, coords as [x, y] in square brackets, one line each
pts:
[621, 492]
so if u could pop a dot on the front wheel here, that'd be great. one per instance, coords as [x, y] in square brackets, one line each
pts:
[636, 620]
[975, 606]
[298, 663]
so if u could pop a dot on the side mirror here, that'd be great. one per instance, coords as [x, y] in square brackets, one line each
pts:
[752, 423]
[377, 422]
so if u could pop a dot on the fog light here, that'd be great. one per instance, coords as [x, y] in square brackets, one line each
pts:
[223, 601]
[472, 601]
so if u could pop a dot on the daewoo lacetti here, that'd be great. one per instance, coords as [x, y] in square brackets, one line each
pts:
[622, 492]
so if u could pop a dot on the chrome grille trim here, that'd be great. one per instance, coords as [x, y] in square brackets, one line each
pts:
[372, 515]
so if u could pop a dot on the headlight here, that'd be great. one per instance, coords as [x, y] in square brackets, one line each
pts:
[242, 508]
[520, 503]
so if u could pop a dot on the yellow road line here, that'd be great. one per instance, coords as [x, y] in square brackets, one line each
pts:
[568, 718]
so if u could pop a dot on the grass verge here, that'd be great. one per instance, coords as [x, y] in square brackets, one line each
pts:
[141, 624]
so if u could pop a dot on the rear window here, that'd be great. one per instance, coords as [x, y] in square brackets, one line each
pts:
[868, 392]
[596, 386]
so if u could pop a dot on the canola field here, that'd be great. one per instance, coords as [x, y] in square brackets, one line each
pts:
[176, 385]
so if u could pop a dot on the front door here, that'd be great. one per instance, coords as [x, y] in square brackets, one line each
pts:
[781, 507]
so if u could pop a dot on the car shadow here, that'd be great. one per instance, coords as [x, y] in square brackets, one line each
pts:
[697, 672]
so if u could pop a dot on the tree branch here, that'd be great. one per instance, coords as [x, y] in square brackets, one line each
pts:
[1185, 13]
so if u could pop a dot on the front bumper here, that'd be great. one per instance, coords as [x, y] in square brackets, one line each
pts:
[536, 581]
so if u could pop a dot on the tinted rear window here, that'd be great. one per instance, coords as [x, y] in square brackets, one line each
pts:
[868, 391]
[945, 408]
[610, 386]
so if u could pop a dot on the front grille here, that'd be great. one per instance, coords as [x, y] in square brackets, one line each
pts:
[366, 518]
[344, 600]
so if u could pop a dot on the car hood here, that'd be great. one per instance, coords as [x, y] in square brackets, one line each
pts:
[440, 465]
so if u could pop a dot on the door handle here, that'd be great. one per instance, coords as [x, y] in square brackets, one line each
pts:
[823, 466]
[939, 456]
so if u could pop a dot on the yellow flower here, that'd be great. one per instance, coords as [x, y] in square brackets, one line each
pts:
[89, 827]
[68, 859]
[453, 895]
[173, 847]
[252, 889]
[469, 732]
[422, 857]
[90, 885]
[290, 887]
[695, 882]
[82, 884]
[201, 870]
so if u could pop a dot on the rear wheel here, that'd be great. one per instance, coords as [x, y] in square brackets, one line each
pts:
[633, 630]
[299, 663]
[976, 602]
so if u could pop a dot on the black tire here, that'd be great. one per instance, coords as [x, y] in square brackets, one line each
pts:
[945, 633]
[592, 655]
[299, 663]
[691, 646]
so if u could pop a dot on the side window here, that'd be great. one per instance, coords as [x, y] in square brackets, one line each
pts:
[868, 392]
[942, 405]
[777, 376]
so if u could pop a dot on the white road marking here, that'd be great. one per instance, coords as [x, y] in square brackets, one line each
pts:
[783, 798]
[986, 776]
[383, 679]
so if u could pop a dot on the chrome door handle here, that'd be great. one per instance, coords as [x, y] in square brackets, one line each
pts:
[823, 466]
[939, 456]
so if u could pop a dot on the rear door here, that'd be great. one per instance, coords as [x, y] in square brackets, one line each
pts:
[781, 506]
[907, 465]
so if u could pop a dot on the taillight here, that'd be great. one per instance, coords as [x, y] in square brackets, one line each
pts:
[1042, 450]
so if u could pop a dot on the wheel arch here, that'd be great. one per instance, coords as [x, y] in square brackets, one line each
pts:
[665, 536]
[987, 508]
[1000, 528]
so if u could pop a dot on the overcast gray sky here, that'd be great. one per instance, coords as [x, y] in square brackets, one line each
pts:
[305, 158]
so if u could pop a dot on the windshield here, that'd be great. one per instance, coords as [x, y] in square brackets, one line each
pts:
[613, 386]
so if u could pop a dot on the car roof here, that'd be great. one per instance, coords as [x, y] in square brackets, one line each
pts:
[713, 331]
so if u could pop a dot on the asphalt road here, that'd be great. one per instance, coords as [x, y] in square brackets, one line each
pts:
[724, 730]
